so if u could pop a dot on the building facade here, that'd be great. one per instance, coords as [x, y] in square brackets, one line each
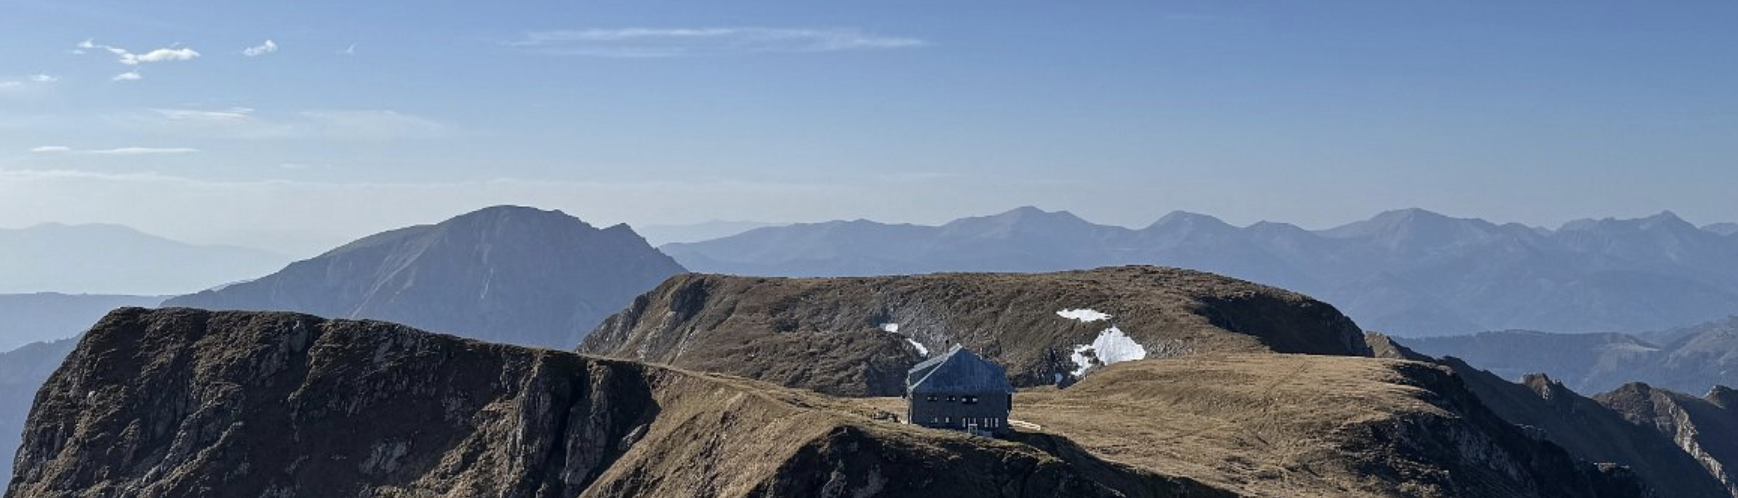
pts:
[959, 390]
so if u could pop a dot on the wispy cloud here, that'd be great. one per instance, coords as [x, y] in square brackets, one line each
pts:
[261, 49]
[25, 86]
[683, 42]
[247, 123]
[160, 55]
[134, 60]
[121, 151]
[233, 114]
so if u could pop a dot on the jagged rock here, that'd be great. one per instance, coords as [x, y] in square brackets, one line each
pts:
[1549, 411]
[1703, 428]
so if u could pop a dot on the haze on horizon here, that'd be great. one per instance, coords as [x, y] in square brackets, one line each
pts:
[299, 126]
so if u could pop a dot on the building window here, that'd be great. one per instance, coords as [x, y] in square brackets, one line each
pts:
[932, 398]
[950, 399]
[970, 400]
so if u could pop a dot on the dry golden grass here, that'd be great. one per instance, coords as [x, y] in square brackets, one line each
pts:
[1258, 424]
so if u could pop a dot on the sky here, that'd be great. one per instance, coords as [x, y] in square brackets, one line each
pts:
[299, 125]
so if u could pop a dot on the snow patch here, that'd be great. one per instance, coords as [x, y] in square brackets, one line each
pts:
[1083, 315]
[920, 349]
[891, 328]
[1111, 346]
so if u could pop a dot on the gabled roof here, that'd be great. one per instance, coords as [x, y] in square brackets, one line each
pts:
[957, 371]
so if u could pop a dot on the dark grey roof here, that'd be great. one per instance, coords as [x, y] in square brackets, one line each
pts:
[957, 371]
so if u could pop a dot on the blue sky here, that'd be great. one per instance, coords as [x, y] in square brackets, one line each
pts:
[361, 116]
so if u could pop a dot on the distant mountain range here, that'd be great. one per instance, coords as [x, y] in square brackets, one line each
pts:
[1689, 359]
[1727, 229]
[47, 317]
[113, 259]
[696, 232]
[1409, 272]
[504, 274]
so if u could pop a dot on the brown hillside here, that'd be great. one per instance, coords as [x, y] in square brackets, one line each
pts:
[826, 334]
[184, 403]
[1310, 426]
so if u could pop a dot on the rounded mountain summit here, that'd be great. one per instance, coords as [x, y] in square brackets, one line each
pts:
[506, 274]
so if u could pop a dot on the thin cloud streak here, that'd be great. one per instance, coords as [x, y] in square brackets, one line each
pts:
[248, 124]
[121, 151]
[689, 42]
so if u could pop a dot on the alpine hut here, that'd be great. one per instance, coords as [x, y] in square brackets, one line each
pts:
[961, 391]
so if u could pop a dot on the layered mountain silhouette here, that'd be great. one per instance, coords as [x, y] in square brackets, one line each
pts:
[1408, 272]
[47, 316]
[506, 274]
[113, 259]
[1689, 359]
[696, 232]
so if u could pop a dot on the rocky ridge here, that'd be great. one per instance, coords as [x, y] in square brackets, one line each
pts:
[188, 403]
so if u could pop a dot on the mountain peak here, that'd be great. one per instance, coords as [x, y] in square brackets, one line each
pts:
[511, 212]
[1412, 222]
[1410, 214]
[506, 273]
[1023, 218]
[1188, 219]
[1034, 213]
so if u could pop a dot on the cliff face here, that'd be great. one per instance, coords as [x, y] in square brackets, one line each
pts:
[857, 336]
[1548, 410]
[1702, 427]
[186, 403]
[22, 372]
[504, 274]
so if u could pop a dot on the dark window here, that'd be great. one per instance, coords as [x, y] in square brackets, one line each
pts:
[950, 399]
[932, 398]
[971, 400]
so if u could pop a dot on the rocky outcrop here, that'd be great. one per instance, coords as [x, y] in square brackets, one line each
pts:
[857, 336]
[1702, 427]
[186, 403]
[1549, 411]
[505, 274]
